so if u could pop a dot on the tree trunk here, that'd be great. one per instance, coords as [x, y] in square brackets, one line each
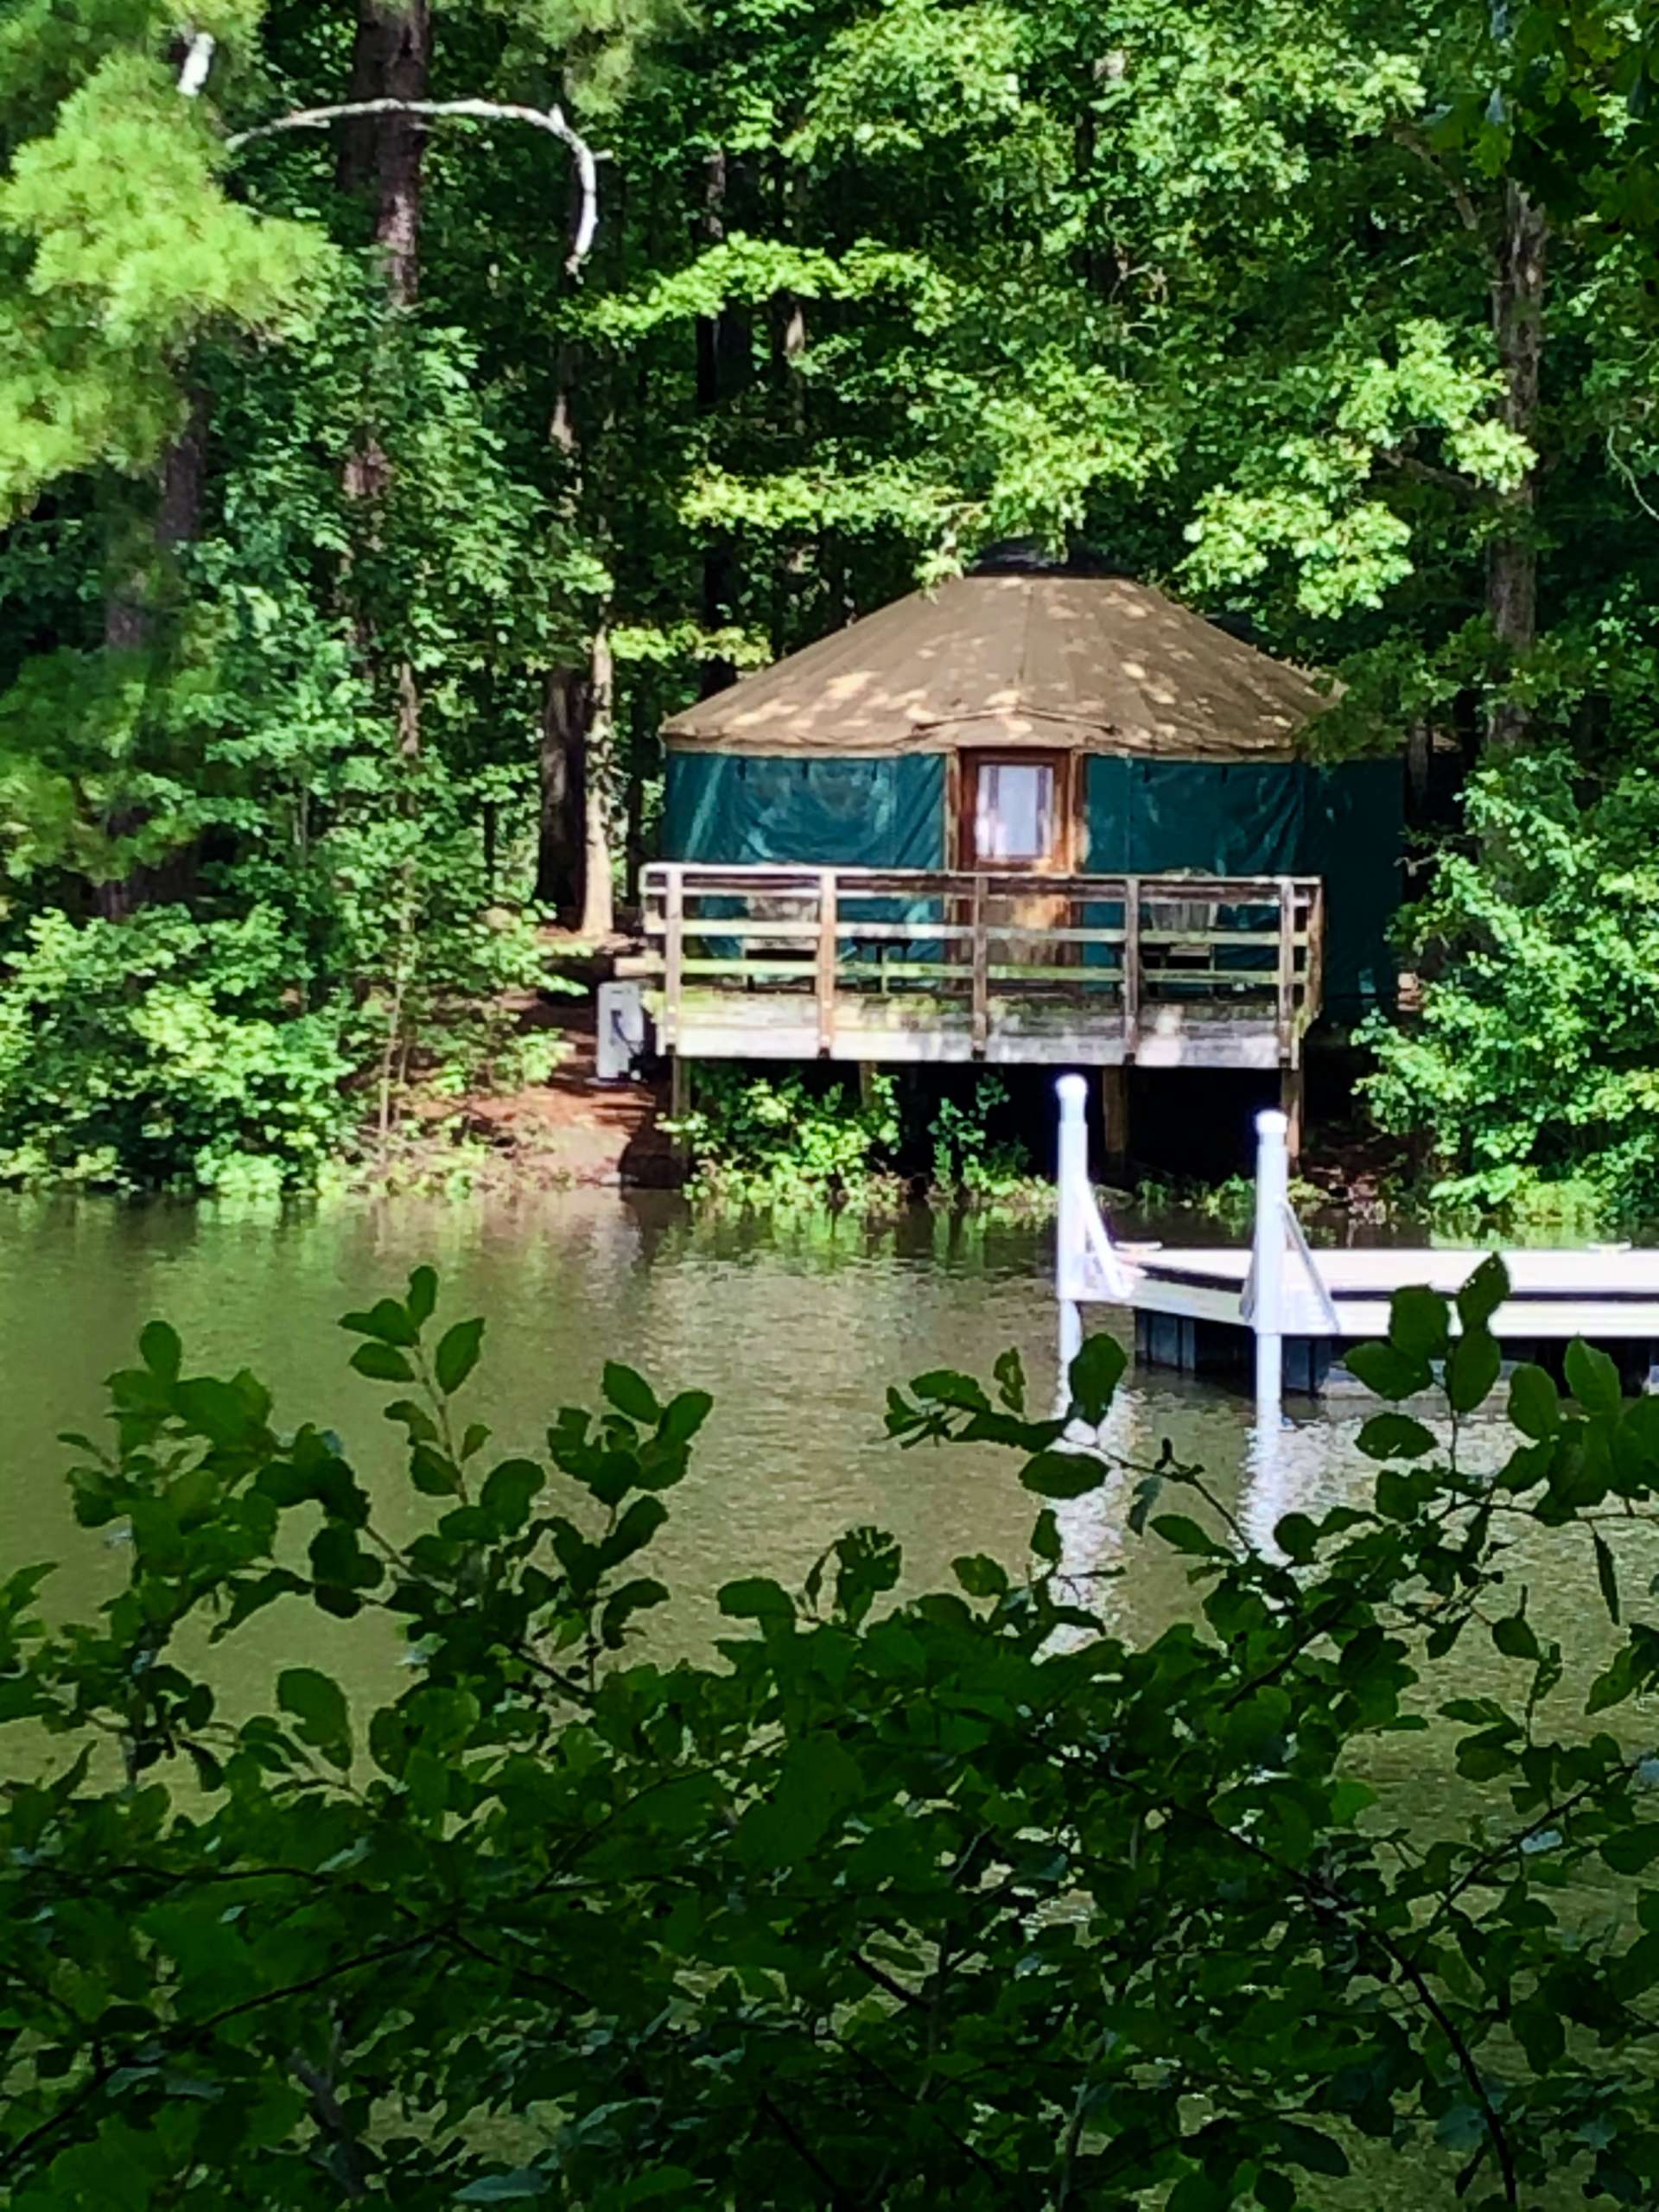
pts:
[381, 157]
[140, 576]
[562, 840]
[563, 767]
[598, 890]
[718, 339]
[1512, 557]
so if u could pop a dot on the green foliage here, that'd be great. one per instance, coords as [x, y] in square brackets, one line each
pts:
[163, 1051]
[782, 1140]
[1534, 1061]
[899, 1898]
[763, 1140]
[969, 1162]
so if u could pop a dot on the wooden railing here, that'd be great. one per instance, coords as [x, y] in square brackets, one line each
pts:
[1112, 946]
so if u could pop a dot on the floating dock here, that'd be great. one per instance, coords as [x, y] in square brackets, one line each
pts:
[1286, 1310]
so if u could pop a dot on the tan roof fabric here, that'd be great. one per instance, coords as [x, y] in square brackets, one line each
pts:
[1085, 663]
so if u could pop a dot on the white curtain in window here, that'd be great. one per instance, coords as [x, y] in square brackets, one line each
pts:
[1014, 816]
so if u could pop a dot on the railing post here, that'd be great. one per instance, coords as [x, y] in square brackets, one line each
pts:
[1313, 974]
[1131, 965]
[1070, 1227]
[1267, 1267]
[828, 947]
[1286, 968]
[981, 1004]
[673, 955]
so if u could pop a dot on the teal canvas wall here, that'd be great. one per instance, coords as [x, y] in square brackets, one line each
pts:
[747, 809]
[1346, 823]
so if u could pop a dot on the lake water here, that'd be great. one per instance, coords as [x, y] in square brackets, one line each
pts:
[795, 1327]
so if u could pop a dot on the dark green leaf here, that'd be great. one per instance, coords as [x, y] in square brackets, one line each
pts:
[1045, 1538]
[457, 1355]
[1395, 1436]
[422, 1302]
[1096, 1373]
[1183, 1535]
[1419, 1323]
[381, 1364]
[1387, 1372]
[1484, 1293]
[423, 1429]
[1513, 1636]
[318, 1704]
[1472, 1369]
[816, 1781]
[1534, 1403]
[1308, 2148]
[1632, 1851]
[508, 1492]
[1606, 1575]
[685, 1416]
[1592, 1378]
[946, 1387]
[755, 1598]
[432, 1474]
[162, 1352]
[980, 1576]
[631, 1394]
[1062, 1474]
[1009, 1376]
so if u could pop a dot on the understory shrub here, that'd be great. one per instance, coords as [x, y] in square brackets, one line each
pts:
[783, 1140]
[965, 1896]
[161, 1051]
[968, 1160]
[1534, 1063]
[761, 1139]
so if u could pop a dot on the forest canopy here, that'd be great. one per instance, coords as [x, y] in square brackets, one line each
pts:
[361, 517]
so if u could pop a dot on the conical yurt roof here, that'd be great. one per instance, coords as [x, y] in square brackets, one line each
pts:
[1083, 663]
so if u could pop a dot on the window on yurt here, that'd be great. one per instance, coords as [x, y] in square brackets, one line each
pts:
[1013, 811]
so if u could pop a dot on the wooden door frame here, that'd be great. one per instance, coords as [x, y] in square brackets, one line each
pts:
[962, 793]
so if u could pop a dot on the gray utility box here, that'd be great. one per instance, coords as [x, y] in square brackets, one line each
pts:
[621, 1031]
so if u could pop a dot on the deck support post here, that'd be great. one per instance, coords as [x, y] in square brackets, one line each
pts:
[1070, 1227]
[1115, 1113]
[1267, 1267]
[679, 1101]
[1291, 1090]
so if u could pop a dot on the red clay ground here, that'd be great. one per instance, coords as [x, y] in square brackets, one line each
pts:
[573, 1128]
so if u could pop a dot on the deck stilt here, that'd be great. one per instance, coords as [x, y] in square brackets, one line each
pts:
[1291, 1088]
[679, 1099]
[1115, 1113]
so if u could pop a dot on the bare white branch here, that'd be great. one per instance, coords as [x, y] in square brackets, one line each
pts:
[197, 62]
[550, 119]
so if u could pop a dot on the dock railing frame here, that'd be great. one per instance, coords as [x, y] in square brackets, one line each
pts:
[1117, 944]
[1088, 1267]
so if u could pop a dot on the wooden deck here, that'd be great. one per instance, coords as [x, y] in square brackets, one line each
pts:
[913, 965]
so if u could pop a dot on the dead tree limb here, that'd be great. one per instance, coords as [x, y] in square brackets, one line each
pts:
[550, 120]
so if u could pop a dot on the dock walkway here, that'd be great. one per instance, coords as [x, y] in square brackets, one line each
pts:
[1289, 1310]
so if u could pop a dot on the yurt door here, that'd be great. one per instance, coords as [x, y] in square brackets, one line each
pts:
[1017, 819]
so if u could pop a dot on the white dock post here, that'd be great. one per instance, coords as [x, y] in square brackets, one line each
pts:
[1272, 1206]
[1070, 1229]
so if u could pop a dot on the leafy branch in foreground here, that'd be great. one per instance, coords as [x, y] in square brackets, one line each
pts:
[958, 1896]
